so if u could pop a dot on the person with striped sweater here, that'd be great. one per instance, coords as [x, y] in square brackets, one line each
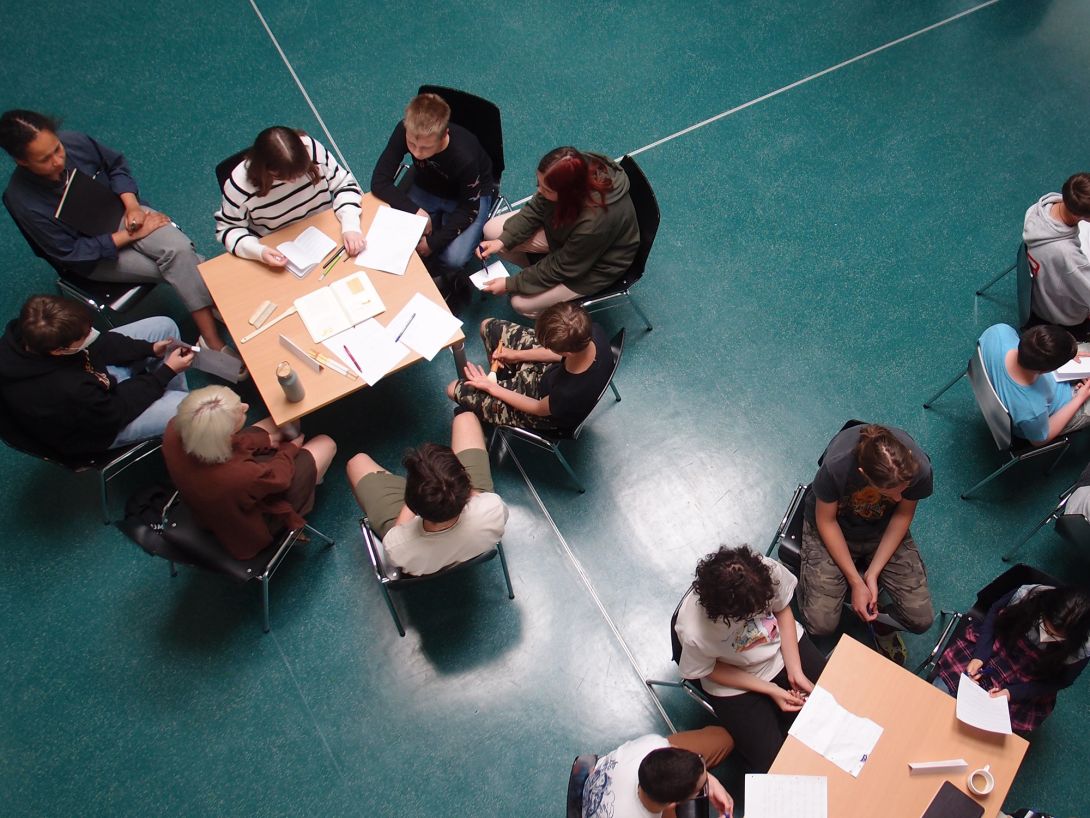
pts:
[284, 177]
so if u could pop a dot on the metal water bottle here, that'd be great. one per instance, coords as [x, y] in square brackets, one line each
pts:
[290, 383]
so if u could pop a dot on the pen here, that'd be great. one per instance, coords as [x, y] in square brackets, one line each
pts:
[405, 328]
[352, 358]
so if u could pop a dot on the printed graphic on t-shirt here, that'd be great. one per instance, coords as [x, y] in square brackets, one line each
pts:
[598, 798]
[866, 503]
[756, 632]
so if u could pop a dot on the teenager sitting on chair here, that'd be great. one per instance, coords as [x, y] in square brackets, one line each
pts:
[443, 512]
[861, 506]
[550, 377]
[1061, 280]
[740, 639]
[649, 776]
[1034, 642]
[1020, 369]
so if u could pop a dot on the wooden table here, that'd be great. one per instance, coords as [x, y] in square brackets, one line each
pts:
[919, 725]
[238, 286]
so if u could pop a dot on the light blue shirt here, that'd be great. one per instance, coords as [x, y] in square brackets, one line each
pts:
[1030, 406]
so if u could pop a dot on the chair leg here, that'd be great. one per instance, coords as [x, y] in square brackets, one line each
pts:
[393, 610]
[328, 540]
[940, 645]
[265, 604]
[990, 477]
[567, 466]
[506, 574]
[984, 289]
[1018, 545]
[616, 394]
[1056, 462]
[636, 307]
[103, 498]
[173, 570]
[937, 395]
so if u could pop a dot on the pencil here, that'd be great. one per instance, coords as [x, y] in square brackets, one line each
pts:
[332, 263]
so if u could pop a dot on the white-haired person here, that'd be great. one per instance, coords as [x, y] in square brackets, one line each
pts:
[243, 483]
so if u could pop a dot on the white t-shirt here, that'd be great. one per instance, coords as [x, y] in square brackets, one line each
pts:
[752, 645]
[612, 787]
[479, 527]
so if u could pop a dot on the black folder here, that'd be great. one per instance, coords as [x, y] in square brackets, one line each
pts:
[950, 802]
[89, 206]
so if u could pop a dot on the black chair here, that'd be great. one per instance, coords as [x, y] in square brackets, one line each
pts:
[481, 118]
[691, 687]
[581, 768]
[106, 298]
[106, 465]
[987, 596]
[1074, 528]
[224, 168]
[550, 440]
[179, 540]
[1023, 284]
[648, 217]
[999, 422]
[390, 578]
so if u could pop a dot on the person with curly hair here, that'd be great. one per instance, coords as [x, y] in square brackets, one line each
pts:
[740, 640]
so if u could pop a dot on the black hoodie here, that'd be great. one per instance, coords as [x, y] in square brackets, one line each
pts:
[60, 404]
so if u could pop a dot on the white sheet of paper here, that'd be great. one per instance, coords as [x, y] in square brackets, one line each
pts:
[1074, 370]
[979, 709]
[844, 738]
[491, 272]
[430, 328]
[391, 240]
[1084, 236]
[787, 796]
[372, 347]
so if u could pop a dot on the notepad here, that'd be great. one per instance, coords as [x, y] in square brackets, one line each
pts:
[391, 240]
[490, 273]
[339, 306]
[89, 206]
[306, 251]
[1074, 370]
[787, 796]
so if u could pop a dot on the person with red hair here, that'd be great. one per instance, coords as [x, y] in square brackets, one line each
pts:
[581, 218]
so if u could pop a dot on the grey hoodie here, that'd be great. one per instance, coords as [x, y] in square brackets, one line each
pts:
[1061, 282]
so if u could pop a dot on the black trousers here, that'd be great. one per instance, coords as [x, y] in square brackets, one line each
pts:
[756, 722]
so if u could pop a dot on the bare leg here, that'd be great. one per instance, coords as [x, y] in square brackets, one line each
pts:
[323, 450]
[208, 328]
[466, 433]
[360, 465]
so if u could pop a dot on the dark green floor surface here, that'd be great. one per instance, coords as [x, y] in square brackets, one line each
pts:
[816, 261]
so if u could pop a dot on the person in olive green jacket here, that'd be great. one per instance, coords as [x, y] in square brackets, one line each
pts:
[581, 217]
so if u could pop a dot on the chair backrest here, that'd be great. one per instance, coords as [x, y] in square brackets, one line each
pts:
[848, 424]
[1074, 528]
[580, 771]
[616, 346]
[1023, 284]
[647, 216]
[477, 115]
[995, 413]
[1020, 574]
[675, 643]
[189, 544]
[224, 168]
[392, 577]
[34, 246]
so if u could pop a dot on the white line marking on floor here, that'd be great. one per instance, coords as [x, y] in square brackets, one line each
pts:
[589, 586]
[329, 137]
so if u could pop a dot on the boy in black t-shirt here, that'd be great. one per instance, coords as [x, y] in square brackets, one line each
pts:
[551, 376]
[452, 183]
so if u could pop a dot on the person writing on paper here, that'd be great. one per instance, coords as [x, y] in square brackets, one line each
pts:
[76, 391]
[145, 247]
[1033, 642]
[649, 776]
[741, 642]
[451, 185]
[1021, 371]
[245, 484]
[286, 176]
[551, 376]
[581, 218]
[862, 503]
[443, 511]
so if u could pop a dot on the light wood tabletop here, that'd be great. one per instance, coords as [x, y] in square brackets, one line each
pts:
[239, 286]
[918, 724]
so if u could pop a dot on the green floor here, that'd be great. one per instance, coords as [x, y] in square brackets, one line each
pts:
[817, 260]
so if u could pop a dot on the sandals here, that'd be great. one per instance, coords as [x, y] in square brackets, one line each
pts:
[892, 646]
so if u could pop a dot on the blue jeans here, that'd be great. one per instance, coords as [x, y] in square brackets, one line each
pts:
[457, 254]
[153, 420]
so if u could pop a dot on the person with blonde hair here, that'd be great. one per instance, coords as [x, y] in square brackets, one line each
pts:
[862, 503]
[245, 484]
[451, 184]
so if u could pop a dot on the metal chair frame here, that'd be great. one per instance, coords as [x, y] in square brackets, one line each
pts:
[391, 579]
[690, 688]
[1023, 284]
[1072, 527]
[999, 422]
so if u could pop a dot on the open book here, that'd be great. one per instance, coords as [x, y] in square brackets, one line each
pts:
[339, 306]
[306, 250]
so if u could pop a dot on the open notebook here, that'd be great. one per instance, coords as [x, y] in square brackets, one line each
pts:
[339, 306]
